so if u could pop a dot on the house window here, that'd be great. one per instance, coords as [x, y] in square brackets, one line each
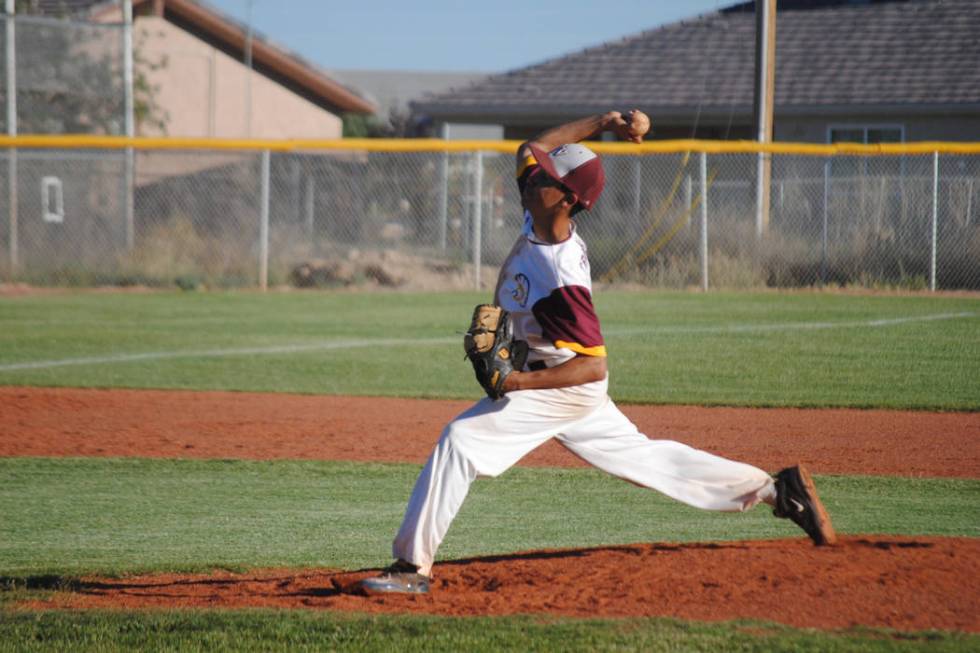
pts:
[847, 135]
[866, 134]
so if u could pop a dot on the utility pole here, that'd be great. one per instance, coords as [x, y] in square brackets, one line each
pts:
[765, 87]
[130, 124]
[11, 75]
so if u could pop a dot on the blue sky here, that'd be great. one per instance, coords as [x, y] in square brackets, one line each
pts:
[442, 35]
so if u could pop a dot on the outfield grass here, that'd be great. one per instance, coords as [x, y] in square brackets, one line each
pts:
[753, 349]
[70, 517]
[264, 630]
[117, 516]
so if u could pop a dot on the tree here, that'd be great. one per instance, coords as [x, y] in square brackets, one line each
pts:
[70, 78]
[400, 124]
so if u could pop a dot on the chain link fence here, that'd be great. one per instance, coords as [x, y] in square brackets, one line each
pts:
[68, 76]
[445, 220]
[433, 219]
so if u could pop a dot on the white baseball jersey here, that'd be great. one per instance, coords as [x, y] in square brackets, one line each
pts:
[547, 288]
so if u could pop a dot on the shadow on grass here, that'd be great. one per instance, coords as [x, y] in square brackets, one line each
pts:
[54, 582]
[48, 582]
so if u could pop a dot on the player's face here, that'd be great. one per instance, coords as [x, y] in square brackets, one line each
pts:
[542, 195]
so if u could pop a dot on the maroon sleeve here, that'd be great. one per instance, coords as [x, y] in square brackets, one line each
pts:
[568, 319]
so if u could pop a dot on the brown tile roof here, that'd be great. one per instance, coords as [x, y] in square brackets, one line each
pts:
[832, 54]
[275, 61]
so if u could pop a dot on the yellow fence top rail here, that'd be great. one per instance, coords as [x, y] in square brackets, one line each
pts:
[436, 145]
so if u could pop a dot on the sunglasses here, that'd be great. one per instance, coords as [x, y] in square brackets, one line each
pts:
[540, 179]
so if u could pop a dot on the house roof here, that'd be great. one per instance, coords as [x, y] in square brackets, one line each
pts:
[229, 35]
[829, 54]
[392, 90]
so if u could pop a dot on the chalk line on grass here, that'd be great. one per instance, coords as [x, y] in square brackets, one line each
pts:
[219, 353]
[403, 342]
[790, 326]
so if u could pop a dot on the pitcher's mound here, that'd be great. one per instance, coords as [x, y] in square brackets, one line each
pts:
[905, 583]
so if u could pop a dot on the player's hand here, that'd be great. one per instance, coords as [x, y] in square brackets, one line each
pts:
[630, 126]
[619, 125]
[511, 382]
[637, 125]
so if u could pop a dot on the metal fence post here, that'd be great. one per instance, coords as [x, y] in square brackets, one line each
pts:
[295, 190]
[763, 184]
[477, 215]
[12, 131]
[969, 202]
[264, 224]
[443, 189]
[687, 200]
[130, 176]
[309, 203]
[935, 219]
[704, 221]
[637, 186]
[824, 231]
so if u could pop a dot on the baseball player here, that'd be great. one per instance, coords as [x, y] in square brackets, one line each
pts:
[544, 298]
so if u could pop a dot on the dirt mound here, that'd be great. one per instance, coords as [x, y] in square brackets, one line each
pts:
[905, 583]
[152, 423]
[388, 268]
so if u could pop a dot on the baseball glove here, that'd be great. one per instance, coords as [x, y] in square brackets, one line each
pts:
[491, 347]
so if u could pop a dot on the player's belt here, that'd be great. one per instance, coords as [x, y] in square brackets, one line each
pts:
[537, 365]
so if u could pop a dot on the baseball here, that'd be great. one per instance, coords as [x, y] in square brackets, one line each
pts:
[639, 123]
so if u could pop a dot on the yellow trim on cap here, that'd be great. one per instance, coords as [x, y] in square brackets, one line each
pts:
[598, 350]
[528, 161]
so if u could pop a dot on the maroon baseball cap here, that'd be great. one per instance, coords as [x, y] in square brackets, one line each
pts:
[576, 167]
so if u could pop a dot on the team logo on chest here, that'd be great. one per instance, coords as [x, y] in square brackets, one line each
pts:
[522, 289]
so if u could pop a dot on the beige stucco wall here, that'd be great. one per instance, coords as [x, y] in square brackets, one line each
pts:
[204, 91]
[917, 128]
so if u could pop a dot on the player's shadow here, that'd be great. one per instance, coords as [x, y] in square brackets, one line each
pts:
[50, 582]
[563, 554]
[53, 582]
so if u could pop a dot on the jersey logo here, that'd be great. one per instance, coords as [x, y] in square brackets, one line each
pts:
[522, 289]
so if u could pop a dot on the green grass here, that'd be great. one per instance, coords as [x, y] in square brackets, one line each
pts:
[116, 516]
[61, 518]
[264, 630]
[755, 349]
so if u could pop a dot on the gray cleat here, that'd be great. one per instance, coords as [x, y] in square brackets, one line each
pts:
[400, 578]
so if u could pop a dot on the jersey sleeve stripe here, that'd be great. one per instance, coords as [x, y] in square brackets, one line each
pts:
[567, 316]
[599, 350]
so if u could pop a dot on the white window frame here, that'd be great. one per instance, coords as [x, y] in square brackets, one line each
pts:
[49, 184]
[865, 127]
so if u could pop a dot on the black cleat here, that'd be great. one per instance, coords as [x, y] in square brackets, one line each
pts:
[797, 499]
[400, 578]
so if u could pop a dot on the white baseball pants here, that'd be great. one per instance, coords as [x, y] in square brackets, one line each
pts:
[491, 436]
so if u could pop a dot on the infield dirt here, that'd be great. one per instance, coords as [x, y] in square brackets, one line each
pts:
[906, 583]
[163, 424]
[901, 583]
